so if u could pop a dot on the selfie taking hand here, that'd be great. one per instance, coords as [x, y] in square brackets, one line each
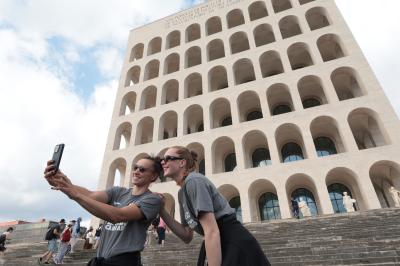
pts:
[59, 181]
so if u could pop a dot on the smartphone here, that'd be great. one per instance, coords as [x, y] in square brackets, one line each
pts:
[57, 154]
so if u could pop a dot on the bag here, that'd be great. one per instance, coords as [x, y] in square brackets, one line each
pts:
[66, 236]
[49, 234]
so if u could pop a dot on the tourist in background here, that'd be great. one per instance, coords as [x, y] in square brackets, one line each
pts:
[64, 244]
[128, 212]
[52, 234]
[89, 239]
[203, 209]
[75, 233]
[161, 232]
[3, 239]
[97, 236]
[295, 208]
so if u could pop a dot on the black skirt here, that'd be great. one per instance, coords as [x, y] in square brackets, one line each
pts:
[238, 246]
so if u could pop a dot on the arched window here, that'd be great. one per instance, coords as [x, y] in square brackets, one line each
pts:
[257, 10]
[289, 27]
[137, 52]
[235, 18]
[281, 109]
[303, 2]
[173, 39]
[193, 57]
[217, 78]
[154, 46]
[132, 77]
[261, 157]
[152, 69]
[243, 71]
[202, 167]
[303, 194]
[215, 50]
[235, 204]
[254, 116]
[270, 64]
[324, 146]
[311, 102]
[230, 162]
[213, 25]
[268, 205]
[317, 18]
[336, 195]
[291, 152]
[239, 42]
[281, 5]
[171, 63]
[299, 56]
[263, 34]
[193, 32]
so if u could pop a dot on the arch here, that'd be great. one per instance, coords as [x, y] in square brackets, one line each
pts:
[244, 71]
[154, 46]
[235, 18]
[220, 111]
[215, 49]
[232, 195]
[290, 143]
[168, 127]
[279, 99]
[257, 10]
[256, 151]
[170, 92]
[349, 179]
[213, 25]
[193, 85]
[311, 91]
[152, 69]
[317, 18]
[289, 27]
[346, 83]
[133, 76]
[128, 103]
[116, 173]
[256, 192]
[384, 175]
[263, 34]
[326, 136]
[199, 150]
[171, 63]
[367, 128]
[124, 130]
[148, 99]
[144, 131]
[173, 39]
[223, 153]
[136, 52]
[270, 64]
[193, 57]
[299, 56]
[330, 48]
[301, 186]
[193, 119]
[239, 42]
[336, 193]
[169, 204]
[281, 5]
[217, 78]
[249, 102]
[193, 32]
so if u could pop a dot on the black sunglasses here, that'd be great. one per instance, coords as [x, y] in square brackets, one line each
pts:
[171, 158]
[140, 168]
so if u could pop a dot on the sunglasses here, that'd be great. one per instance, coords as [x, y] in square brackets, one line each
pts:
[140, 168]
[171, 158]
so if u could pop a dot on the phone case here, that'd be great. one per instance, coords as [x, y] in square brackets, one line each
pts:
[58, 151]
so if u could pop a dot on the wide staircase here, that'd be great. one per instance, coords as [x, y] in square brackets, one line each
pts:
[360, 238]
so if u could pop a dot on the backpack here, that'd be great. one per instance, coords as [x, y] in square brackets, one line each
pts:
[66, 236]
[50, 234]
[3, 239]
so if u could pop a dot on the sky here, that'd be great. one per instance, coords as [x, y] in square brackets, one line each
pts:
[60, 62]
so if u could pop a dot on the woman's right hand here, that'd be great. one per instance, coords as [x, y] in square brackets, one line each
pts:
[55, 178]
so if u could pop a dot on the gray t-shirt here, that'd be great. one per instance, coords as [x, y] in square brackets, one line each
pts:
[127, 236]
[203, 196]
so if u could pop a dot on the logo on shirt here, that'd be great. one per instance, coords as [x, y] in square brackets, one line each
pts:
[115, 227]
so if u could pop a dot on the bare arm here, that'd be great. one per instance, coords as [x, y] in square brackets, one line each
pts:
[181, 231]
[212, 238]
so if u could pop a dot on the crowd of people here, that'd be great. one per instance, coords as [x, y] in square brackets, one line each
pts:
[62, 239]
[129, 212]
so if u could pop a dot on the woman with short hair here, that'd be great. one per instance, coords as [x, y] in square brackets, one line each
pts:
[128, 212]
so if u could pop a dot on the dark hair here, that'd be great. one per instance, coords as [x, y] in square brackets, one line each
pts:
[156, 164]
[188, 155]
[62, 221]
[10, 229]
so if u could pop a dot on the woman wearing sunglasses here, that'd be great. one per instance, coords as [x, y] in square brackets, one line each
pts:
[127, 212]
[204, 210]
